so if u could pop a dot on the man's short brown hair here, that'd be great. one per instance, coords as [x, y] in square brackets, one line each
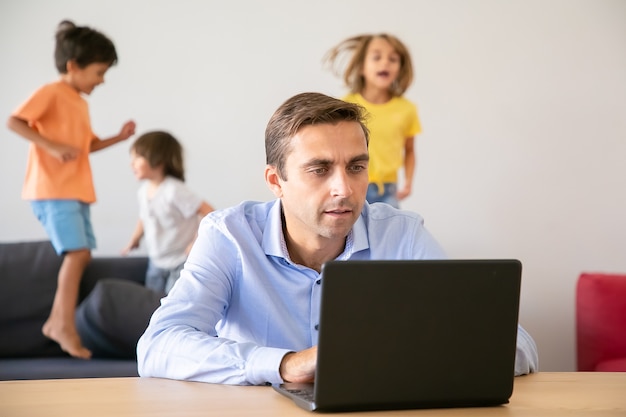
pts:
[305, 109]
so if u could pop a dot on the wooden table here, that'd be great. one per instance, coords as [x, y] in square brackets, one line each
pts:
[542, 394]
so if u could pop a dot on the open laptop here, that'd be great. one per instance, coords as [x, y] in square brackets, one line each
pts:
[414, 334]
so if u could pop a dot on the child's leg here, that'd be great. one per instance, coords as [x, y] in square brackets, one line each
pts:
[61, 326]
[173, 276]
[156, 278]
[68, 225]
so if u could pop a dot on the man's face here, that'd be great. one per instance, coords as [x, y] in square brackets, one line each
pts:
[326, 184]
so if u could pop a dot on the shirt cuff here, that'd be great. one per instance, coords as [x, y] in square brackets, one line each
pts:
[263, 366]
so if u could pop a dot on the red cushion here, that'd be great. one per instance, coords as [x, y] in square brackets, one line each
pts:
[613, 365]
[601, 320]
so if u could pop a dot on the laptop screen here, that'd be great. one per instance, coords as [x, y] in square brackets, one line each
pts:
[412, 334]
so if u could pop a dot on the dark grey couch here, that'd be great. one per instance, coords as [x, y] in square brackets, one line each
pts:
[28, 274]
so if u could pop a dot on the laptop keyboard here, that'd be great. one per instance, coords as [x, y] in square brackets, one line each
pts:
[305, 394]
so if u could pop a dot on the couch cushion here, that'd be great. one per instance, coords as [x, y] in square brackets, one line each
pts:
[600, 319]
[113, 317]
[612, 365]
[126, 268]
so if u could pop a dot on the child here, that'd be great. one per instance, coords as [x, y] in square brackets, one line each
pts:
[168, 211]
[55, 119]
[378, 73]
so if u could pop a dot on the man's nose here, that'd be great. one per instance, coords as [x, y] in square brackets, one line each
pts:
[340, 184]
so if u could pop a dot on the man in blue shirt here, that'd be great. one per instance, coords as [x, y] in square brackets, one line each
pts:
[246, 306]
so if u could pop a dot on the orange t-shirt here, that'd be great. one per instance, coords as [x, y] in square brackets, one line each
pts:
[59, 113]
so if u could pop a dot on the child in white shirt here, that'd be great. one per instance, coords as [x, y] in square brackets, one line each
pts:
[169, 212]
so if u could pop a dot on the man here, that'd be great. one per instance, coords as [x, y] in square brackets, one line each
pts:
[246, 307]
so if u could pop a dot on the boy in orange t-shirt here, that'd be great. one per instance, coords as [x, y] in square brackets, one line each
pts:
[55, 119]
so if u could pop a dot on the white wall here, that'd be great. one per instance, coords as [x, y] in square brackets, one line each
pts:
[523, 104]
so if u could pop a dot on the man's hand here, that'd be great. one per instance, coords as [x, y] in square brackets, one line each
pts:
[299, 366]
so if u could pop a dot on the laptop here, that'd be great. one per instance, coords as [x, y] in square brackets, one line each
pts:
[414, 334]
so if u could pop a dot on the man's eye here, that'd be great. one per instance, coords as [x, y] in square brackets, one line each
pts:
[357, 168]
[319, 171]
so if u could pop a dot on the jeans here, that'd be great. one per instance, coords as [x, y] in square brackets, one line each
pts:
[162, 280]
[388, 196]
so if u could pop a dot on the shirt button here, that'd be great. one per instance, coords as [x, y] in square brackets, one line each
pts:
[318, 282]
[317, 327]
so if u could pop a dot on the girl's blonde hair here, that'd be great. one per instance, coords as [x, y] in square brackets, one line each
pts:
[356, 47]
[161, 149]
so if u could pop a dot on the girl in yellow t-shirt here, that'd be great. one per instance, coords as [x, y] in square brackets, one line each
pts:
[378, 72]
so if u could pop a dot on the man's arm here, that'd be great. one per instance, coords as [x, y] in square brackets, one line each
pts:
[181, 341]
[526, 356]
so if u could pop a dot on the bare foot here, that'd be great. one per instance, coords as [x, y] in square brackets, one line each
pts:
[67, 338]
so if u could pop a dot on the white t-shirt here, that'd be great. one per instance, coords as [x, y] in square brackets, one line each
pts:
[170, 221]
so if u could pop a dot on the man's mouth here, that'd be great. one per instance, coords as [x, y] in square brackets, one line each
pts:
[338, 211]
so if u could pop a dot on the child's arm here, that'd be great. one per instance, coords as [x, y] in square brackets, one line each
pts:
[64, 153]
[127, 131]
[204, 209]
[409, 168]
[134, 240]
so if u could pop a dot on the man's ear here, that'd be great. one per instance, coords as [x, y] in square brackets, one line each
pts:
[272, 179]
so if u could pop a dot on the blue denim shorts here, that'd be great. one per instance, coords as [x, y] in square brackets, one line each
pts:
[388, 196]
[67, 223]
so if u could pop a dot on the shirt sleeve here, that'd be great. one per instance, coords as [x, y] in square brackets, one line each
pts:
[414, 126]
[185, 200]
[526, 355]
[35, 106]
[181, 341]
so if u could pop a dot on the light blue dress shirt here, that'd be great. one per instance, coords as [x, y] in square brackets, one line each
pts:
[239, 283]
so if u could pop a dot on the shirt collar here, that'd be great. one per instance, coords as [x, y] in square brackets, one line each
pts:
[274, 239]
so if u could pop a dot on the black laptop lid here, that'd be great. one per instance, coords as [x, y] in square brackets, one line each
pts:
[413, 334]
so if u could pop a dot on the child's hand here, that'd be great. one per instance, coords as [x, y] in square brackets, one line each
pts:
[127, 130]
[132, 245]
[64, 153]
[403, 193]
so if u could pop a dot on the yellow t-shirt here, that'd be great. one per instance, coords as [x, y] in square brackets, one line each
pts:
[390, 124]
[59, 113]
